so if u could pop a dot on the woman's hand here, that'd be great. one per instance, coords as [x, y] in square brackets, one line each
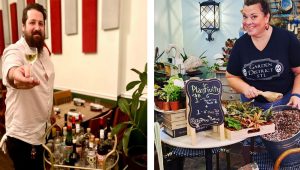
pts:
[251, 92]
[294, 102]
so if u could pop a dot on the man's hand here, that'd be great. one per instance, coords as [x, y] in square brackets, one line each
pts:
[19, 77]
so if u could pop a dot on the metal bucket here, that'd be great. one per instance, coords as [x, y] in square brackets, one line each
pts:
[275, 148]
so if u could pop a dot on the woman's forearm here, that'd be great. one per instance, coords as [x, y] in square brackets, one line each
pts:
[237, 83]
[296, 87]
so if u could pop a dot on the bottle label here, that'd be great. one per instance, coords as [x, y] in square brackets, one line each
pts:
[77, 125]
[91, 159]
[100, 160]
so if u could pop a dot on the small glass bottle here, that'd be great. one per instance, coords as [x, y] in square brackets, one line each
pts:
[107, 128]
[74, 157]
[101, 150]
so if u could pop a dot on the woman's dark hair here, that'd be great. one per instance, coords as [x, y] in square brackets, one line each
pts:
[263, 3]
[35, 6]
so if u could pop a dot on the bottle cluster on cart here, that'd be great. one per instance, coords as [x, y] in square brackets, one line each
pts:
[76, 147]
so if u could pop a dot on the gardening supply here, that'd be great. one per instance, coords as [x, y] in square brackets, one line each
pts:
[271, 96]
[286, 136]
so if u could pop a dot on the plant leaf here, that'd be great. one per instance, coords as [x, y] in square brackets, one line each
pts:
[134, 108]
[145, 69]
[137, 71]
[119, 127]
[143, 78]
[201, 55]
[125, 140]
[141, 117]
[132, 84]
[124, 106]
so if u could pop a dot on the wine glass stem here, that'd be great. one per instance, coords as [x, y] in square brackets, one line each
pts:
[30, 69]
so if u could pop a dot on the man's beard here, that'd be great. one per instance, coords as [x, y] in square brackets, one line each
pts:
[37, 42]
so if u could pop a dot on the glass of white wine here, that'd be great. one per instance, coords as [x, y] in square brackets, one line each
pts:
[31, 56]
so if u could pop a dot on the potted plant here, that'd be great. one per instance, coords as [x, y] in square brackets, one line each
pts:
[134, 131]
[173, 91]
[244, 119]
[193, 64]
[159, 97]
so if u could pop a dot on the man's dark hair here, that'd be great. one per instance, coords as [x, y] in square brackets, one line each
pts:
[35, 6]
[263, 3]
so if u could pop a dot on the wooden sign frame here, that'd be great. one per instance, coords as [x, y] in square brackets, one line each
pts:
[202, 96]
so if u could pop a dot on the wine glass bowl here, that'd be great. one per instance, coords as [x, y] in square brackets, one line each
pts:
[31, 55]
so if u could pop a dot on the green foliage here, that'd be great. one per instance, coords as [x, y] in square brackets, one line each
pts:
[233, 123]
[245, 115]
[171, 91]
[136, 110]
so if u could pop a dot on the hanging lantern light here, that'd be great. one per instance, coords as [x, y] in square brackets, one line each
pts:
[209, 17]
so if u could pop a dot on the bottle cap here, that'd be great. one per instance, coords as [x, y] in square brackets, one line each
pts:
[88, 130]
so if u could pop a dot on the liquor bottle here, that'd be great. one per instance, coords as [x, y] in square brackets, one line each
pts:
[57, 140]
[101, 150]
[91, 159]
[109, 142]
[91, 142]
[57, 155]
[64, 134]
[85, 151]
[108, 128]
[69, 144]
[66, 120]
[96, 143]
[78, 120]
[101, 125]
[81, 124]
[88, 134]
[73, 121]
[79, 146]
[74, 157]
[91, 155]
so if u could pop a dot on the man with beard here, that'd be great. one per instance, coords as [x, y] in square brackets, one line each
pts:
[29, 98]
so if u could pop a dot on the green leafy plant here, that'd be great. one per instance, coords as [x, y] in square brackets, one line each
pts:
[136, 109]
[245, 115]
[172, 91]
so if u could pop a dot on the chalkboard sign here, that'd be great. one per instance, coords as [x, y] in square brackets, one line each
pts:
[204, 102]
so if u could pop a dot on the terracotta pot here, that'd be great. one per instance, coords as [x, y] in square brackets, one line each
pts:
[159, 104]
[165, 106]
[174, 105]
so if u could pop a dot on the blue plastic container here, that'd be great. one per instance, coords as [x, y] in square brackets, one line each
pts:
[275, 148]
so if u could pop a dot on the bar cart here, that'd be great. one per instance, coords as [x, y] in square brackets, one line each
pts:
[50, 160]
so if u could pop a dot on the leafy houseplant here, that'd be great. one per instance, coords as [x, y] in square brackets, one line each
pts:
[172, 91]
[244, 115]
[135, 129]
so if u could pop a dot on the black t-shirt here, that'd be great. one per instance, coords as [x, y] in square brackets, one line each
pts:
[269, 69]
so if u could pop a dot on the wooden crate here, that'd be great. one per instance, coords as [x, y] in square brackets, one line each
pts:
[175, 124]
[174, 116]
[249, 132]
